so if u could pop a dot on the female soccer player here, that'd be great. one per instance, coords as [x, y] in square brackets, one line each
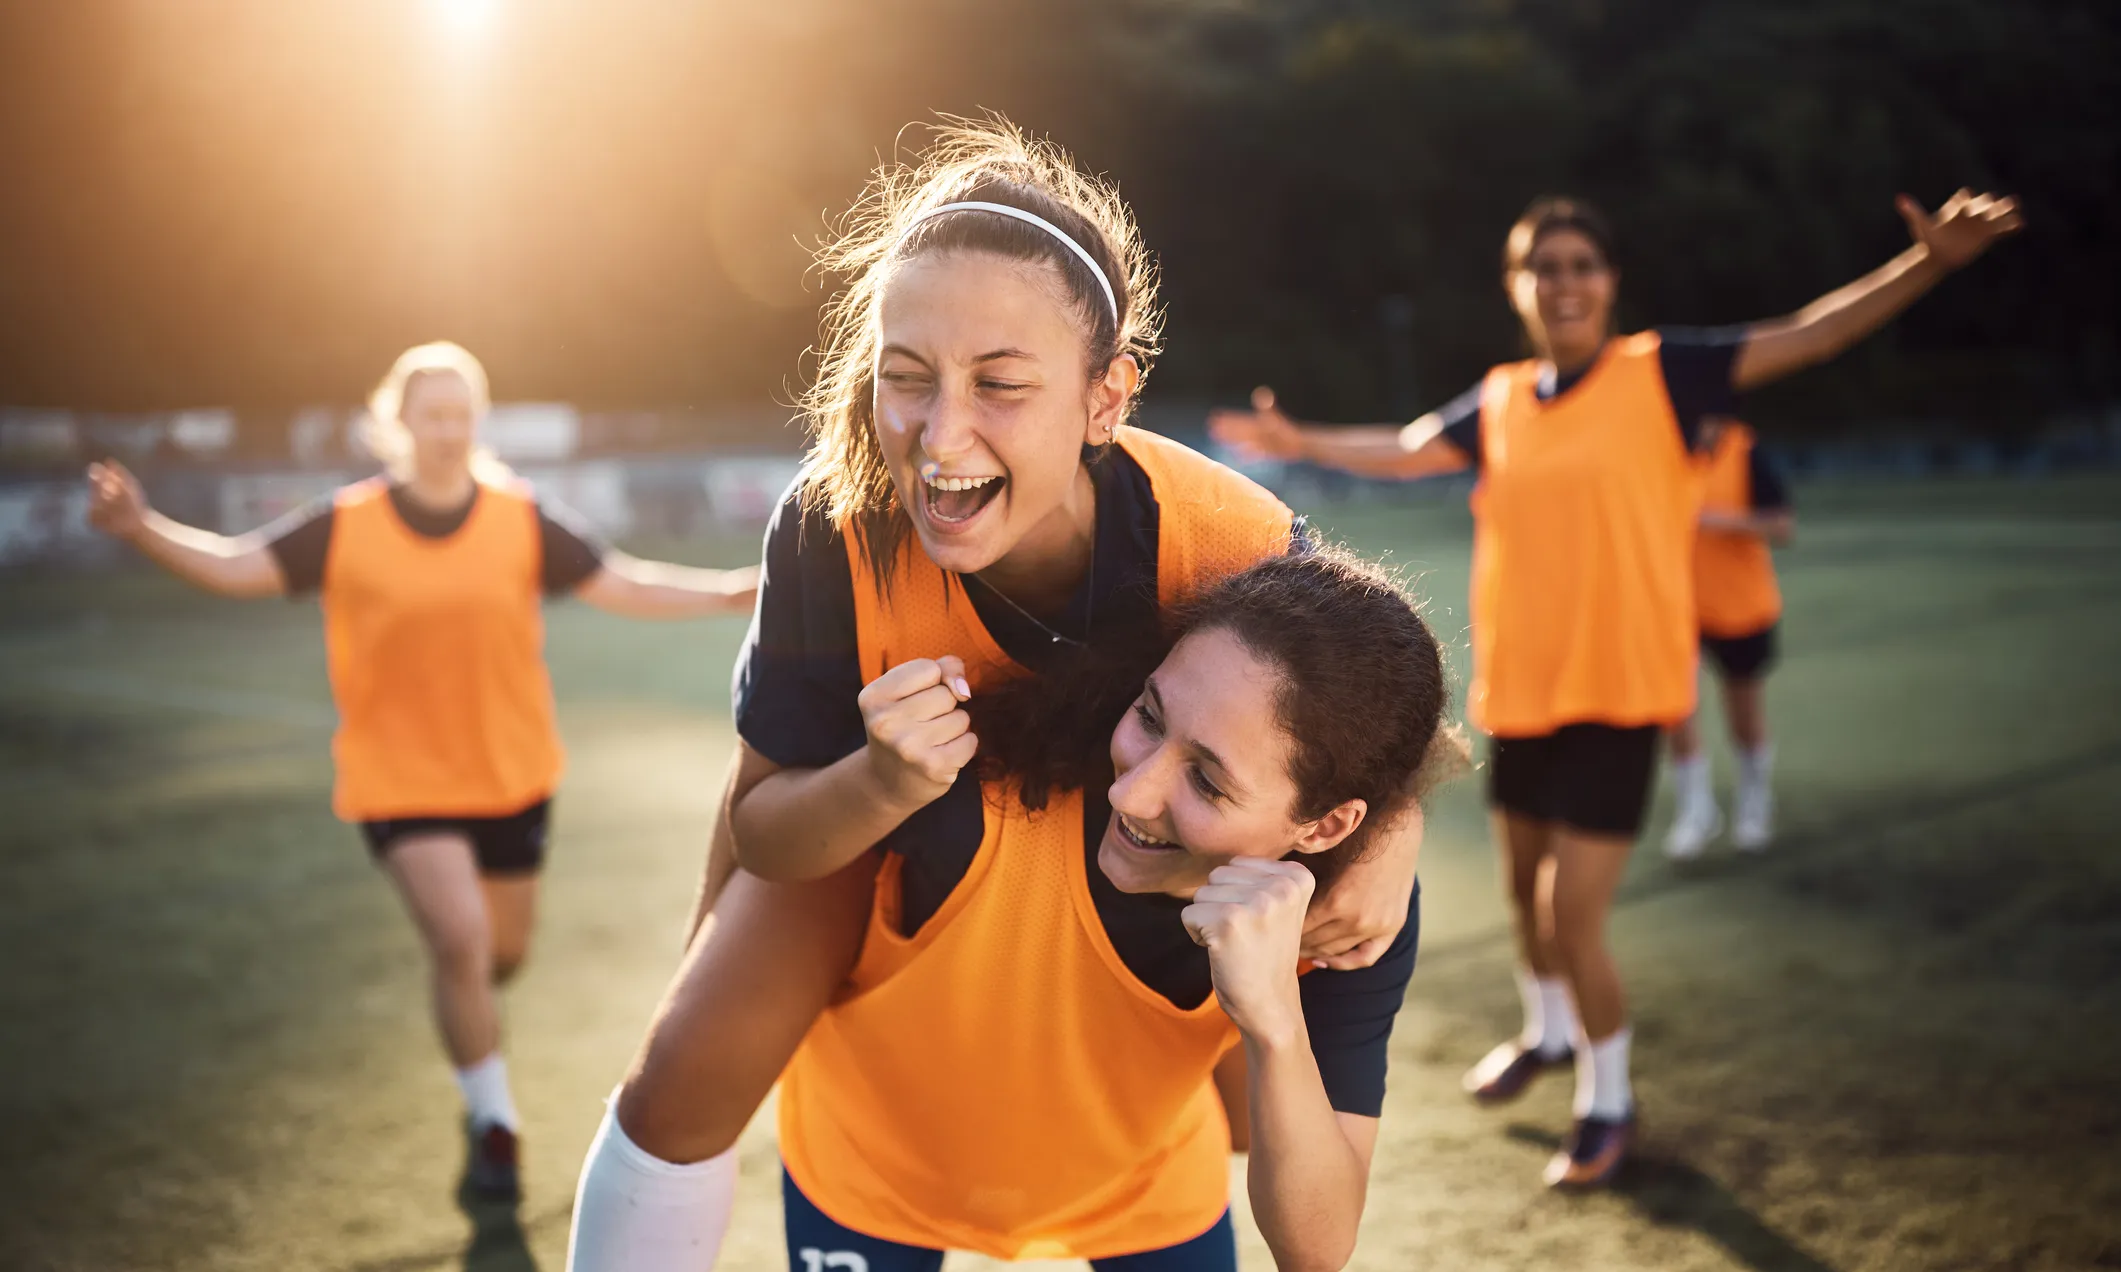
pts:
[1025, 1071]
[1584, 631]
[447, 751]
[1745, 509]
[971, 484]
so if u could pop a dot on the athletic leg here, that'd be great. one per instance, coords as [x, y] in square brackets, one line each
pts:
[1587, 871]
[818, 1244]
[511, 911]
[1212, 1251]
[1745, 703]
[1695, 817]
[1548, 1035]
[766, 962]
[761, 967]
[1745, 706]
[438, 878]
[1684, 740]
[437, 874]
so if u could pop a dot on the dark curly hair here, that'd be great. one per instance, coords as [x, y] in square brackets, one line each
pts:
[1362, 693]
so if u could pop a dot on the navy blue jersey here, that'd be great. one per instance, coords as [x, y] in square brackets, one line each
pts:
[795, 687]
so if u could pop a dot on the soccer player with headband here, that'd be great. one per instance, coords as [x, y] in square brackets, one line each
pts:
[975, 508]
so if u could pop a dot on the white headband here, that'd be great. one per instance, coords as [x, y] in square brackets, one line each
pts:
[1027, 218]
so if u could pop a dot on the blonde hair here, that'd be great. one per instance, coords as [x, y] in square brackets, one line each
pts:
[985, 160]
[384, 432]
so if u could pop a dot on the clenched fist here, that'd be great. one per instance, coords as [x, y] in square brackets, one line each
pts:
[1250, 916]
[919, 734]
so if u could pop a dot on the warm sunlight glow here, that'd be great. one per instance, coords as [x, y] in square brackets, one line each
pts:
[467, 17]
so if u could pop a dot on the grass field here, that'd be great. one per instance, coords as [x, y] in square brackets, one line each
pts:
[1895, 1042]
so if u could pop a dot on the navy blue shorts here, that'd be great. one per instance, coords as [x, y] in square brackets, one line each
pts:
[510, 845]
[817, 1244]
[1593, 777]
[1745, 657]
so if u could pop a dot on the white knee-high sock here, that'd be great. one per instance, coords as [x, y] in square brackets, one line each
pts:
[486, 1095]
[1549, 1014]
[634, 1212]
[1756, 766]
[1602, 1087]
[1691, 783]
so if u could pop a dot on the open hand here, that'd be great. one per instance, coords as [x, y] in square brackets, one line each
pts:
[1260, 433]
[1965, 227]
[116, 504]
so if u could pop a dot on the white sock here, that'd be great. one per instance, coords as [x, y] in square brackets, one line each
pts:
[1549, 1014]
[486, 1095]
[1602, 1088]
[1757, 765]
[1690, 779]
[637, 1213]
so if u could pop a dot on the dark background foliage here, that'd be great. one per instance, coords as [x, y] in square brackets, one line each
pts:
[256, 204]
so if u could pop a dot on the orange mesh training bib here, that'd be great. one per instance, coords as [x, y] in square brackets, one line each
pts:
[999, 1081]
[1583, 598]
[436, 650]
[1734, 574]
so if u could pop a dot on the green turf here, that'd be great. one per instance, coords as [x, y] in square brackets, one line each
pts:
[1892, 1043]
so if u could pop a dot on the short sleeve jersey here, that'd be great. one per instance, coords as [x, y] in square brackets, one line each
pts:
[570, 552]
[1697, 366]
[795, 687]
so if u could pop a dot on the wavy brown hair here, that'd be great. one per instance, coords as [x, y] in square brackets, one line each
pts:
[984, 160]
[1362, 694]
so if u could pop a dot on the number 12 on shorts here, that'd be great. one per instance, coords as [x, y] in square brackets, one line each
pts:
[816, 1260]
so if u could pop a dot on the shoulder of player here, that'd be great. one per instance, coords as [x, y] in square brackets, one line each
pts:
[1179, 474]
[801, 523]
[355, 494]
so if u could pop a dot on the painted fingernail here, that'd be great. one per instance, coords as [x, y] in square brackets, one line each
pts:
[964, 690]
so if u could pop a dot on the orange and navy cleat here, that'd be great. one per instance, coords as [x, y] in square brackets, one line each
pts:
[1504, 1073]
[1593, 1153]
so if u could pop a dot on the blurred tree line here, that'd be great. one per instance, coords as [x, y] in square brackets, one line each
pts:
[257, 205]
[1332, 187]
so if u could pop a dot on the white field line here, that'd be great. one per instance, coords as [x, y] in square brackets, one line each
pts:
[138, 690]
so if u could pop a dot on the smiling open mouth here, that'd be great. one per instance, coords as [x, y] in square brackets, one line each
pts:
[1140, 839]
[955, 499]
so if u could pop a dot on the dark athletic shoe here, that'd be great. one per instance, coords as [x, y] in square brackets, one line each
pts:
[1506, 1071]
[1593, 1153]
[490, 1172]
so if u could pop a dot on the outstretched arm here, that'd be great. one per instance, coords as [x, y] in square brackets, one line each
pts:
[1391, 451]
[1954, 237]
[633, 588]
[227, 565]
